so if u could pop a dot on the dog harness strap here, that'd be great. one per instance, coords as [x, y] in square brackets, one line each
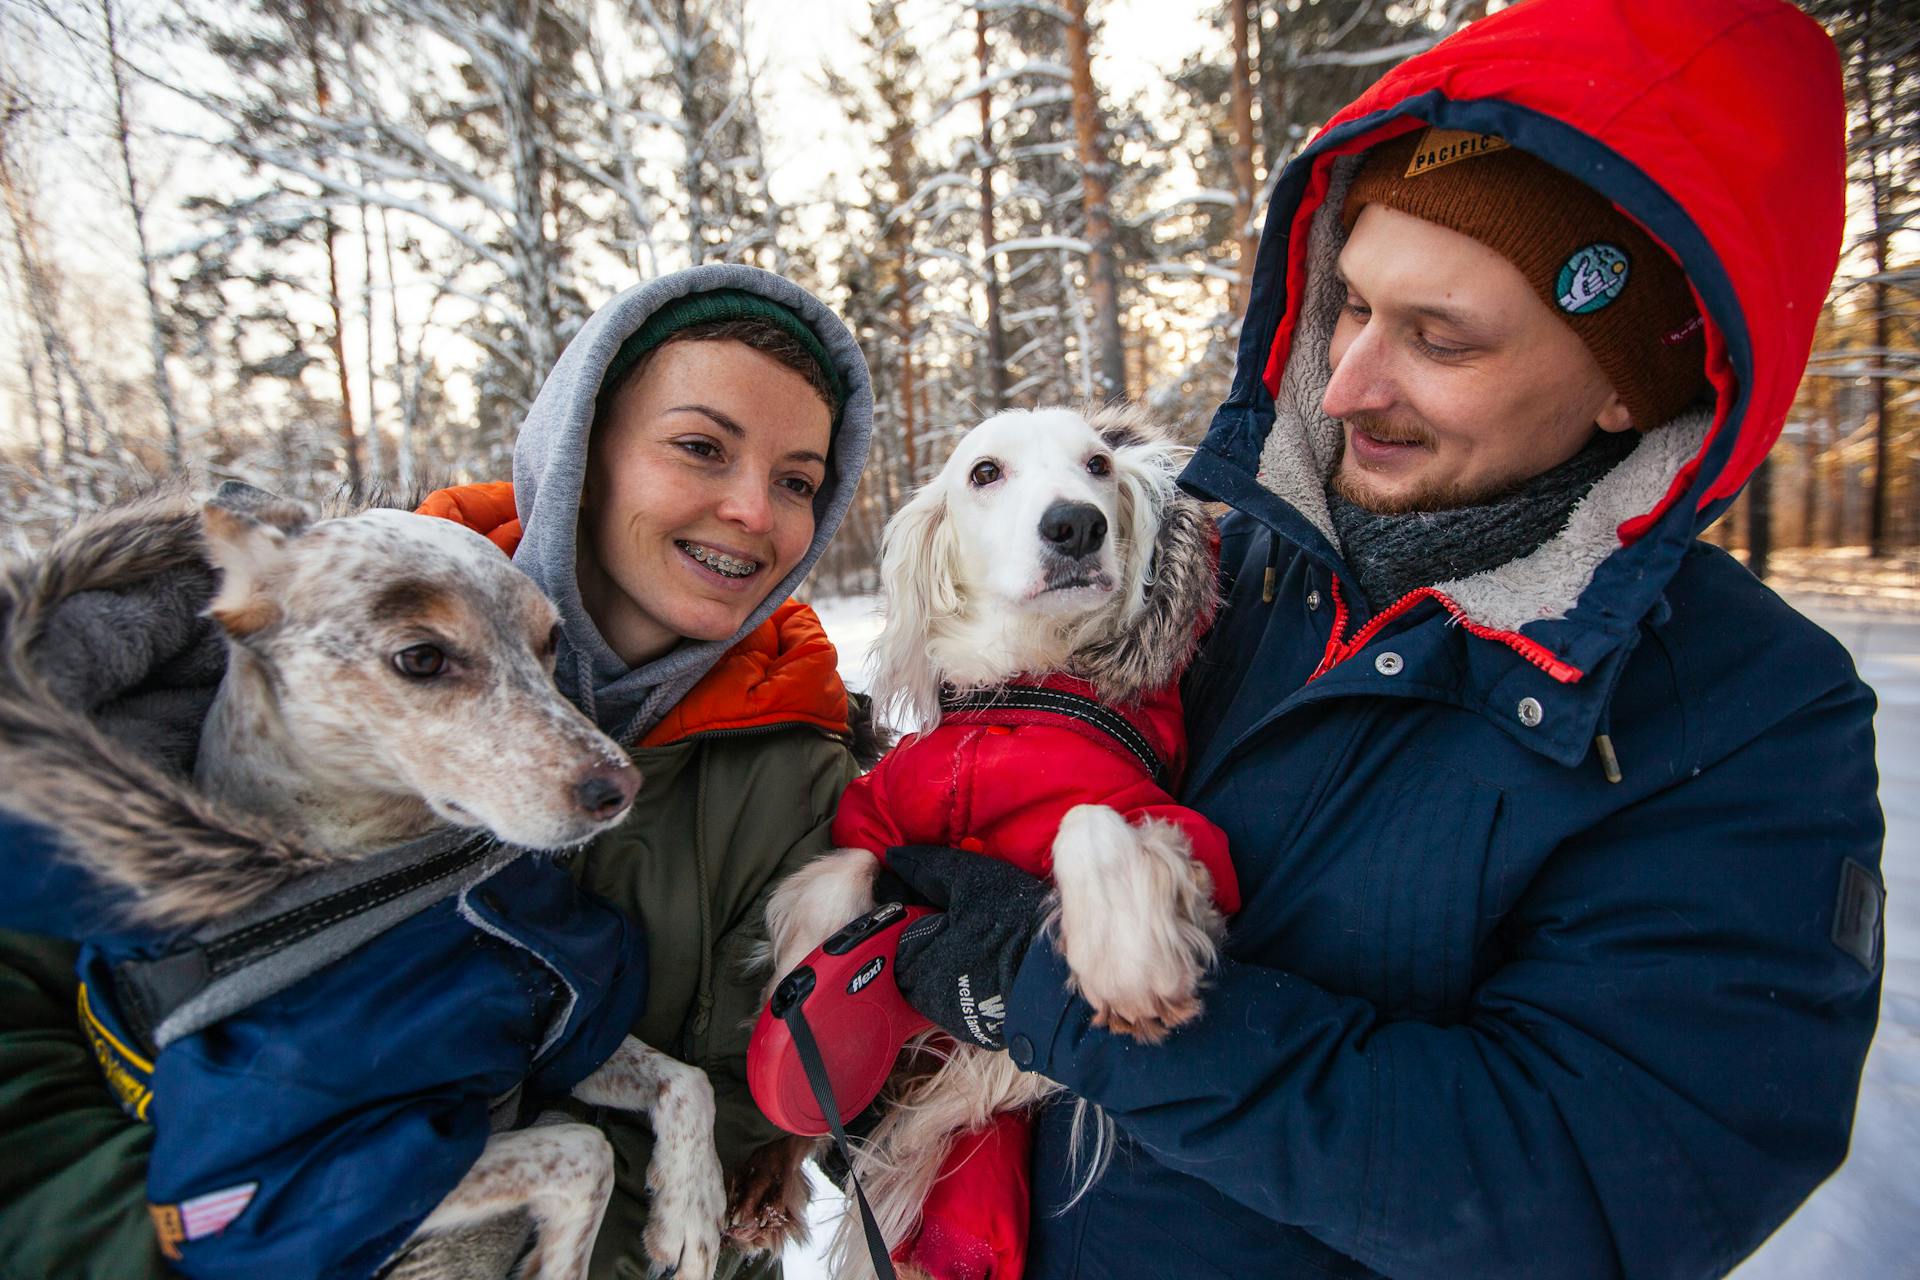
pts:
[816, 1069]
[293, 932]
[1074, 706]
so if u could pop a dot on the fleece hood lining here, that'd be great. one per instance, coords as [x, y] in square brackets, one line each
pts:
[1303, 445]
[549, 470]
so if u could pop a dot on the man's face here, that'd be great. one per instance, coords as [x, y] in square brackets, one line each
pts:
[1452, 380]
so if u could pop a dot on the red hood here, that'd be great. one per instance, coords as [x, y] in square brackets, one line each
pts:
[1755, 221]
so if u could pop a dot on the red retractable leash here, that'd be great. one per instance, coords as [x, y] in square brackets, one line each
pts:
[828, 1038]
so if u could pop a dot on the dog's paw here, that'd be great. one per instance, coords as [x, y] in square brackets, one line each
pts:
[767, 1198]
[689, 1191]
[686, 1215]
[1137, 924]
[1149, 1026]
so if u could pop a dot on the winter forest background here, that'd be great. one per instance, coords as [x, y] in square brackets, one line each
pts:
[331, 248]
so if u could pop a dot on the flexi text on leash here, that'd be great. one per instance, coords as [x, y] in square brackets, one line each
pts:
[848, 981]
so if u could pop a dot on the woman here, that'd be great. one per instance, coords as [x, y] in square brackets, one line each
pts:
[682, 469]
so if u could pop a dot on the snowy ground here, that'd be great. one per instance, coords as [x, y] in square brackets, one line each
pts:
[1864, 1224]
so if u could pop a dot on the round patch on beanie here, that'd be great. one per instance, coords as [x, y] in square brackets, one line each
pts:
[1591, 278]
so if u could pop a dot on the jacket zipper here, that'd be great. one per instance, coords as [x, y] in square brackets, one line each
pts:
[1339, 650]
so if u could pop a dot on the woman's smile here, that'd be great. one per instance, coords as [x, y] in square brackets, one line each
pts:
[733, 570]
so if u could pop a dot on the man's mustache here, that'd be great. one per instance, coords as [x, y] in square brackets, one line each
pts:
[1388, 431]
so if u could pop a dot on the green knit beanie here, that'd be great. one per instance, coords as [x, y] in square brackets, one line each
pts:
[718, 305]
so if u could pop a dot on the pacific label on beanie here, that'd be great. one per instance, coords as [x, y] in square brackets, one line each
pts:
[1591, 264]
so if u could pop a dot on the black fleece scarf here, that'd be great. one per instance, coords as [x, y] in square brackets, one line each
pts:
[1394, 554]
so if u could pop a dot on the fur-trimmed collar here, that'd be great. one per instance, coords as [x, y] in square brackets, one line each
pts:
[129, 819]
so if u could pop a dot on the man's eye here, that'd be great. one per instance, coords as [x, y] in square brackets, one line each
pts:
[1357, 309]
[984, 473]
[1438, 350]
[420, 661]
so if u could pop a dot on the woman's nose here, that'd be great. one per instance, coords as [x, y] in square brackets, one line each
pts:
[748, 504]
[1359, 381]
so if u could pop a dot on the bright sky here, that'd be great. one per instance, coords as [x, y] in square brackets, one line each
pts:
[1138, 44]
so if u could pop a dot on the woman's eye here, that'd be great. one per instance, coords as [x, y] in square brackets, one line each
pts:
[984, 473]
[1099, 465]
[420, 661]
[801, 485]
[700, 448]
[1358, 309]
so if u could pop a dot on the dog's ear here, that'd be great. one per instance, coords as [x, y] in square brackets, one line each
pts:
[245, 546]
[917, 571]
[1169, 574]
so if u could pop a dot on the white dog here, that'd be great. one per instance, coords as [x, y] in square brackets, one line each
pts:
[1051, 579]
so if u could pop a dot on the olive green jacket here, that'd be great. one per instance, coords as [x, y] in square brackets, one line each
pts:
[721, 818]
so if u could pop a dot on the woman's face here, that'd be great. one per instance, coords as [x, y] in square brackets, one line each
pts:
[699, 494]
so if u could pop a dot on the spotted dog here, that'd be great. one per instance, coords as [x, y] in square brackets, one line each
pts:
[387, 676]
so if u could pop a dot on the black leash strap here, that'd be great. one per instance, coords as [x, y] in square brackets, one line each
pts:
[816, 1071]
[1074, 706]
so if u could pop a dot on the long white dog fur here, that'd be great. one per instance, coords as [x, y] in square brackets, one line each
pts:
[972, 599]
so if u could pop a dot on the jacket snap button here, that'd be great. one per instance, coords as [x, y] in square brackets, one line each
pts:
[1313, 601]
[1530, 712]
[1021, 1050]
[1388, 663]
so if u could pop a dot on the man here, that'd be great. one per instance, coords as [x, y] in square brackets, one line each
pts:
[1557, 831]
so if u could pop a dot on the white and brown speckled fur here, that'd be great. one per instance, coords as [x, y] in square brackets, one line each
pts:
[318, 730]
[967, 601]
[317, 751]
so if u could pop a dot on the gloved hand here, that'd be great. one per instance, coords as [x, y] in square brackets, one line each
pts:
[958, 967]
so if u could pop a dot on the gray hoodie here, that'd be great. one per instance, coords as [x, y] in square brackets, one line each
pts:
[549, 467]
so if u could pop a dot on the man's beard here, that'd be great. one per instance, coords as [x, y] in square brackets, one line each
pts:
[1448, 495]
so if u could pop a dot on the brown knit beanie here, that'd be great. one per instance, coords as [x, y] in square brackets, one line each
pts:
[1596, 270]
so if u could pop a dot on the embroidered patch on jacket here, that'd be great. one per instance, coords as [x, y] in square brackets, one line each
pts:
[1857, 913]
[129, 1076]
[200, 1217]
[1439, 147]
[1591, 278]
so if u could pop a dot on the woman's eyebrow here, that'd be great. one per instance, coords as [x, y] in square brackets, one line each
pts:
[739, 432]
[720, 419]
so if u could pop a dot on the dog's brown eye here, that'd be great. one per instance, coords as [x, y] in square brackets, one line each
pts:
[1099, 465]
[984, 473]
[420, 661]
[552, 645]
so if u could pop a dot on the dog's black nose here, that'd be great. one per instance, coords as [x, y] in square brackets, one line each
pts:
[1074, 529]
[602, 794]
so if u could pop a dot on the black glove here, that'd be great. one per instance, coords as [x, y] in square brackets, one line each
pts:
[958, 967]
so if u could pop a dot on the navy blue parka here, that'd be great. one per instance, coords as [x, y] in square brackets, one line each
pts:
[1559, 953]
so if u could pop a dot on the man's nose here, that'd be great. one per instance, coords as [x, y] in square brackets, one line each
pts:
[1359, 381]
